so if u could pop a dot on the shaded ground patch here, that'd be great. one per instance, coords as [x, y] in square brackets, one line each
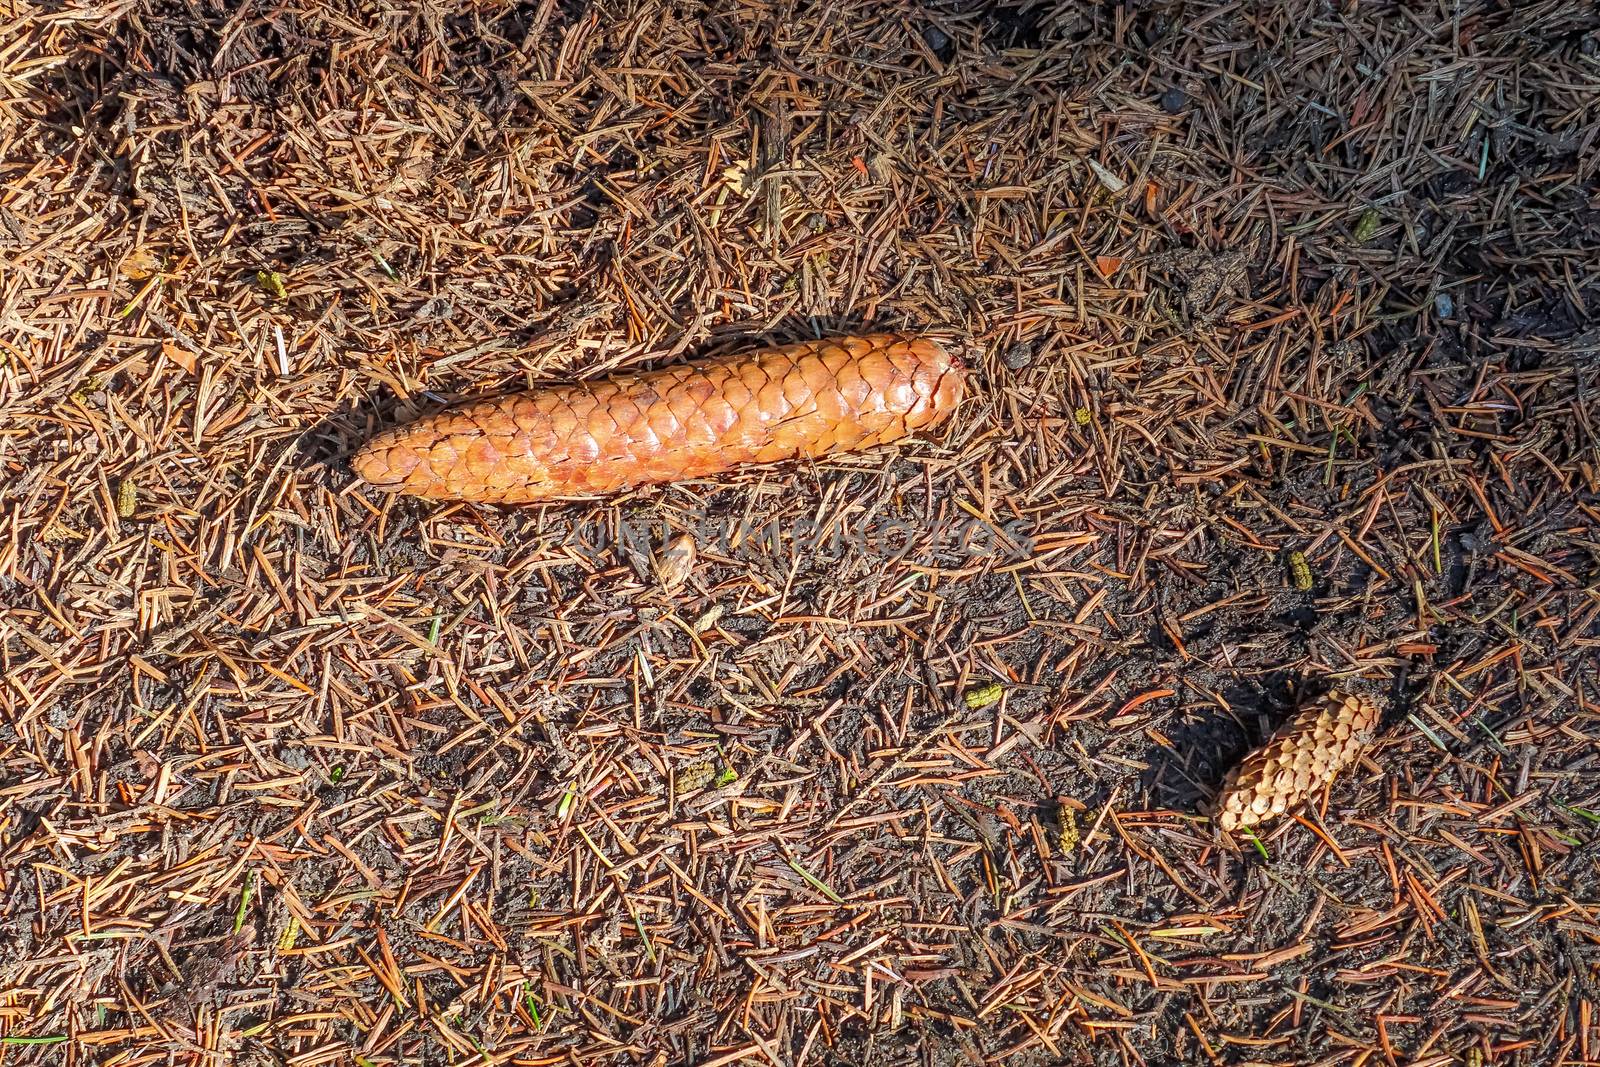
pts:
[303, 775]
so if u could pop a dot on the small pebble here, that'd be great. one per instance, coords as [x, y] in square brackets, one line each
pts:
[1445, 306]
[1018, 356]
[937, 40]
[1174, 100]
[435, 309]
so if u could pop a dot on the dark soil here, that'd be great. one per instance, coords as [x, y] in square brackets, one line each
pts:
[293, 773]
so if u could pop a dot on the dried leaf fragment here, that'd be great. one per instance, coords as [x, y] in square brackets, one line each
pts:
[737, 178]
[142, 262]
[1303, 756]
[709, 619]
[180, 355]
[60, 531]
[1367, 227]
[675, 562]
[1112, 183]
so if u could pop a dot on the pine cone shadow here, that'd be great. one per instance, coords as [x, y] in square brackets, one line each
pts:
[1187, 775]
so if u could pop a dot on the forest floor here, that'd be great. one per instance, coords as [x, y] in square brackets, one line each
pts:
[915, 766]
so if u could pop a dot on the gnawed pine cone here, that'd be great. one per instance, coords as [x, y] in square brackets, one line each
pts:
[1303, 756]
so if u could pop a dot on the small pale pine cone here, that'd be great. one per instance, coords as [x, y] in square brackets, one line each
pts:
[1303, 756]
